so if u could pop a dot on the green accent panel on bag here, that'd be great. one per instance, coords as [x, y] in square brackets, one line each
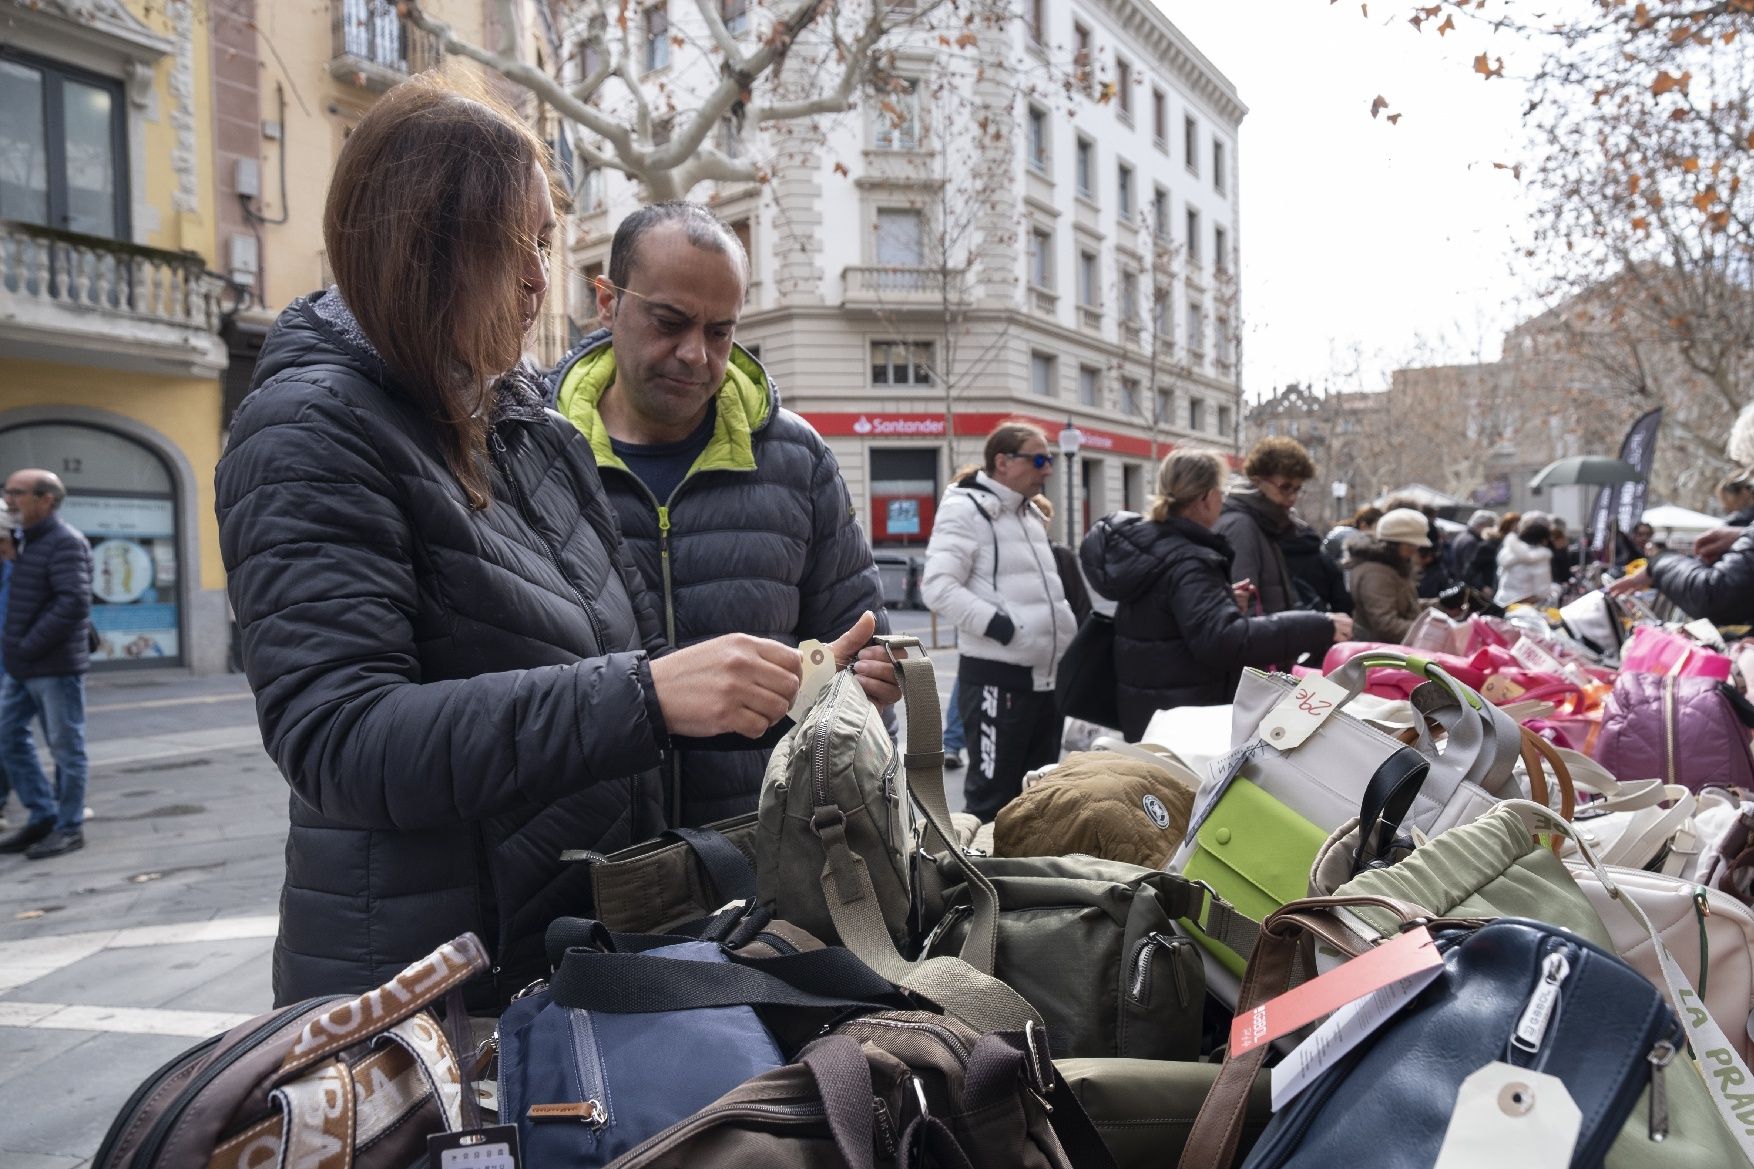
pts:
[1256, 853]
[1145, 1108]
[1490, 868]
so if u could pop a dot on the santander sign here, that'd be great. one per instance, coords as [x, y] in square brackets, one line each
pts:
[889, 425]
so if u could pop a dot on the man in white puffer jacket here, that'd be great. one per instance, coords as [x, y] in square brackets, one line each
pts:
[990, 572]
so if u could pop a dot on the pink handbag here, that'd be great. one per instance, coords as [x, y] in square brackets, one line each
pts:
[1690, 731]
[1651, 650]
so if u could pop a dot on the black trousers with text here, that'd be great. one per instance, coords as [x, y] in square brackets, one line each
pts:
[1008, 730]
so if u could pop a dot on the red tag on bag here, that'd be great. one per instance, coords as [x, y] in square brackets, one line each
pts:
[1390, 962]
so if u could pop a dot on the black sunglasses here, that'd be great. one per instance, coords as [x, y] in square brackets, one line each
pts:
[1040, 460]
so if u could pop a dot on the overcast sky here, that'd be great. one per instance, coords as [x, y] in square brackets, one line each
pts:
[1399, 240]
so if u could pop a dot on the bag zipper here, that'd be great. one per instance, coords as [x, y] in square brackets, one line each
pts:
[944, 1035]
[587, 1062]
[782, 1112]
[819, 739]
[505, 470]
[1669, 723]
[147, 1154]
[1139, 981]
[1542, 1006]
[1659, 1058]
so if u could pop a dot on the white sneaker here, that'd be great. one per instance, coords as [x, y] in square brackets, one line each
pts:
[953, 760]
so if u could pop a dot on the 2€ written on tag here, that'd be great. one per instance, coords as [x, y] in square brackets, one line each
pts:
[1301, 712]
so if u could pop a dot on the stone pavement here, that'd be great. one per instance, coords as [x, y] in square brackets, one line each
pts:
[158, 933]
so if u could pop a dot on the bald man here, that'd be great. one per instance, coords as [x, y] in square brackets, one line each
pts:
[47, 651]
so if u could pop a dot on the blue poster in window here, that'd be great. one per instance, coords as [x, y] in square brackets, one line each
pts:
[904, 517]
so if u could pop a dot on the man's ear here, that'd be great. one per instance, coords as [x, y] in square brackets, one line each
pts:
[606, 298]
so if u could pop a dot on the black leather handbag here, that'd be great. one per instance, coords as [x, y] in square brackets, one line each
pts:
[1609, 1037]
[1084, 686]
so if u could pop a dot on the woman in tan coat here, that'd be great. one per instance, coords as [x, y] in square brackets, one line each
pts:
[1385, 596]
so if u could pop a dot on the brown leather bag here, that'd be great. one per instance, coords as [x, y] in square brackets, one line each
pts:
[333, 1083]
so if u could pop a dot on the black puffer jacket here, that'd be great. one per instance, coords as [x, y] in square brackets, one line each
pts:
[455, 696]
[49, 603]
[1179, 638]
[762, 540]
[1722, 593]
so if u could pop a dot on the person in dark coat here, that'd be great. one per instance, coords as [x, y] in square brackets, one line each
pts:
[1181, 638]
[1319, 580]
[1257, 516]
[455, 664]
[47, 650]
[733, 507]
[1465, 556]
[1722, 592]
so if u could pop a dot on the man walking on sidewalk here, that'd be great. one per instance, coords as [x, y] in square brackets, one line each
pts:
[47, 652]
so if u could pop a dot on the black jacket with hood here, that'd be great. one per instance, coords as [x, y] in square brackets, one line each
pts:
[1723, 592]
[456, 696]
[759, 538]
[1179, 638]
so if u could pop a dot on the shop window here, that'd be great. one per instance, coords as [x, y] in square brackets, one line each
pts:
[122, 496]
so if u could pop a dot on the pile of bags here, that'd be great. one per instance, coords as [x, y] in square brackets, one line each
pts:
[1132, 966]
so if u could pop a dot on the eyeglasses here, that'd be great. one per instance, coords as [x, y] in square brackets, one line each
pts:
[1283, 488]
[1039, 460]
[15, 492]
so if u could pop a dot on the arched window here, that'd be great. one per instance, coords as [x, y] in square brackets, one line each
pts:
[123, 496]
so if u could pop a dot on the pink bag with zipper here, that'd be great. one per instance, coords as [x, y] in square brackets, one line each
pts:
[1651, 650]
[1687, 730]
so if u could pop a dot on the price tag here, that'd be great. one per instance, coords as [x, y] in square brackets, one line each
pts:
[1345, 1029]
[475, 1148]
[1403, 957]
[1301, 713]
[1510, 1118]
[819, 668]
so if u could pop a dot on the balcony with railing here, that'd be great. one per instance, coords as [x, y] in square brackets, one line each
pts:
[374, 48]
[894, 287]
[78, 298]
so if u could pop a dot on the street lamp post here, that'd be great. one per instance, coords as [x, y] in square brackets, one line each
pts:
[1071, 438]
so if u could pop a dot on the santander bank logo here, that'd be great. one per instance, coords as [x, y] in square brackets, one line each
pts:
[905, 424]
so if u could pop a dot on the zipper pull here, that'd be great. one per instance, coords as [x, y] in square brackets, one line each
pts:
[1659, 1057]
[585, 1111]
[1531, 1027]
[495, 441]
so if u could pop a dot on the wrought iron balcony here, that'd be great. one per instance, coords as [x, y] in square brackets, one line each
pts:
[374, 48]
[84, 299]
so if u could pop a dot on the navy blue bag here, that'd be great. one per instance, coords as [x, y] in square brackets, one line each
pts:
[636, 1032]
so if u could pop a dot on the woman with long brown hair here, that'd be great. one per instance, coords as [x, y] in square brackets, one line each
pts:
[454, 665]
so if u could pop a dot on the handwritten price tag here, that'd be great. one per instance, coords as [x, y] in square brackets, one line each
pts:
[1301, 712]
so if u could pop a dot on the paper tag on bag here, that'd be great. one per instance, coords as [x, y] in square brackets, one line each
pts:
[1345, 1029]
[1403, 957]
[819, 668]
[1301, 712]
[1510, 1118]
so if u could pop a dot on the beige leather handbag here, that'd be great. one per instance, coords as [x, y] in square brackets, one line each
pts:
[1709, 933]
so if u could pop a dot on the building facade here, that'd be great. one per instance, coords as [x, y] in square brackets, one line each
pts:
[163, 168]
[1041, 223]
[111, 307]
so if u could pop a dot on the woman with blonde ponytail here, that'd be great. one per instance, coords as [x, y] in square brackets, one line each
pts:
[1182, 633]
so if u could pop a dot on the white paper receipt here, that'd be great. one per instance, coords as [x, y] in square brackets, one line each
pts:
[819, 670]
[1511, 1118]
[1345, 1029]
[1301, 712]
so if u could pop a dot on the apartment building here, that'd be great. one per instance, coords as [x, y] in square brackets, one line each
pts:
[111, 307]
[163, 169]
[1041, 223]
